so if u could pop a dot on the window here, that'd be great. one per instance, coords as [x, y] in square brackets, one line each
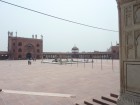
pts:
[13, 44]
[29, 45]
[37, 45]
[19, 50]
[19, 43]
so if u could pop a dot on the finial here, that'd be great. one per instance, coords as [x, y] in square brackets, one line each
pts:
[16, 33]
[36, 36]
[42, 37]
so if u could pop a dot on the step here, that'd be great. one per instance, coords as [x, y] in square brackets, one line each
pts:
[109, 99]
[87, 103]
[100, 102]
[114, 95]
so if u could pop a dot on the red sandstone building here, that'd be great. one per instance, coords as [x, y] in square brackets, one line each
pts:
[24, 48]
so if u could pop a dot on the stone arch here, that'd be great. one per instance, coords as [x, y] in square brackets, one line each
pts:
[28, 56]
[29, 51]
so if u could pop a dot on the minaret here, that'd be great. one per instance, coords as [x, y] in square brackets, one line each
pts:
[33, 36]
[42, 37]
[16, 34]
[42, 45]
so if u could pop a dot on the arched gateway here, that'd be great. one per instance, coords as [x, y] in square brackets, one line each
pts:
[28, 56]
[24, 48]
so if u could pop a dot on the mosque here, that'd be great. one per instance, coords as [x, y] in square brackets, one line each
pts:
[32, 48]
[129, 35]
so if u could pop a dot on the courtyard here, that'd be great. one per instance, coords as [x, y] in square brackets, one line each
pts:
[55, 84]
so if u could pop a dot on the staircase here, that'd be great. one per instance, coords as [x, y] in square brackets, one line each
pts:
[112, 100]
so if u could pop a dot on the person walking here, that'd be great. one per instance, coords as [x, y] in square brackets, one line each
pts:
[29, 62]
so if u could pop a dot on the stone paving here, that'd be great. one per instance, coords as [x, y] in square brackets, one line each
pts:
[79, 80]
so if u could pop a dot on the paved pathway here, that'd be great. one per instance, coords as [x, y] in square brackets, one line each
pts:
[80, 81]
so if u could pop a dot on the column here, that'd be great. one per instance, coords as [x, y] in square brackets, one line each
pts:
[129, 34]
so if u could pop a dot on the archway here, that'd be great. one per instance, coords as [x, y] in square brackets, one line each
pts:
[28, 55]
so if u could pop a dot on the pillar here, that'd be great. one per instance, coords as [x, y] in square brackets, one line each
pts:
[129, 34]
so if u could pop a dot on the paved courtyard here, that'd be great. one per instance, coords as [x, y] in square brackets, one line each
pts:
[55, 84]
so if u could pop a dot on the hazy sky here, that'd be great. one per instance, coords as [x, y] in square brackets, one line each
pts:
[60, 35]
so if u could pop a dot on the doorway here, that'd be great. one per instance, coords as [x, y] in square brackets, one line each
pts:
[28, 55]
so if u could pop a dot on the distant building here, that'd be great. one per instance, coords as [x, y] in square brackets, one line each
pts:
[75, 52]
[24, 48]
[32, 48]
[114, 51]
[111, 53]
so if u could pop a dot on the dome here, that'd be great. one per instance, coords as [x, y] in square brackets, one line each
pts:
[75, 49]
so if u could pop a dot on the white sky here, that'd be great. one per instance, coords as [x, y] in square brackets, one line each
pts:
[60, 35]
